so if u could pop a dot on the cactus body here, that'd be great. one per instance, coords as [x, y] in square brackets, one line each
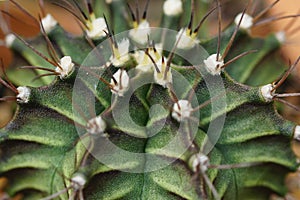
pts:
[125, 119]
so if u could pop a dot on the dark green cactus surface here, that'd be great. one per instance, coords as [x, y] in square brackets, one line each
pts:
[159, 114]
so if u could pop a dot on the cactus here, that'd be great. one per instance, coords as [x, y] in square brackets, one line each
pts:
[126, 111]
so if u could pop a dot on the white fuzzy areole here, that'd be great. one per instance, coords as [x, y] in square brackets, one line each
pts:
[121, 54]
[160, 77]
[110, 1]
[143, 60]
[96, 126]
[23, 94]
[213, 66]
[186, 41]
[122, 85]
[297, 133]
[66, 67]
[144, 63]
[9, 39]
[140, 33]
[281, 36]
[172, 7]
[247, 21]
[48, 23]
[267, 93]
[182, 110]
[97, 28]
[78, 180]
[201, 160]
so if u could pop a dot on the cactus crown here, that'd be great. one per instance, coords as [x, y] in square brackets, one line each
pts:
[146, 113]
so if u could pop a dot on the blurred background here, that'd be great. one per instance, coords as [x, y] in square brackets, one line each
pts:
[289, 51]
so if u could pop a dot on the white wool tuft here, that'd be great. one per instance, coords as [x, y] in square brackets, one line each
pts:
[96, 126]
[213, 66]
[97, 28]
[66, 67]
[140, 34]
[172, 7]
[122, 84]
[246, 23]
[182, 110]
[48, 23]
[267, 93]
[23, 94]
[185, 40]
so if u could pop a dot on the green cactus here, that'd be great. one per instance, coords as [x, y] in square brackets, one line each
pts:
[141, 113]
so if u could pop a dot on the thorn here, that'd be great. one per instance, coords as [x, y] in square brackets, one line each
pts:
[288, 26]
[131, 13]
[174, 97]
[8, 86]
[137, 11]
[263, 12]
[238, 57]
[285, 76]
[15, 18]
[50, 47]
[272, 19]
[89, 6]
[53, 196]
[79, 9]
[209, 101]
[12, 87]
[153, 61]
[39, 68]
[234, 33]
[3, 24]
[232, 166]
[42, 7]
[287, 103]
[145, 10]
[87, 153]
[253, 7]
[114, 39]
[73, 13]
[44, 75]
[37, 52]
[287, 95]
[210, 186]
[101, 78]
[24, 11]
[203, 19]
[148, 40]
[9, 98]
[192, 91]
[171, 55]
[190, 26]
[110, 33]
[219, 29]
[120, 78]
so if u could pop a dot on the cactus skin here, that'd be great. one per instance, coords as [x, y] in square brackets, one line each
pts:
[42, 154]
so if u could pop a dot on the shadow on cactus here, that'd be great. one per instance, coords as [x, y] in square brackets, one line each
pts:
[132, 112]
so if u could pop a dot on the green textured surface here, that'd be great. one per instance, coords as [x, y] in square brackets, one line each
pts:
[41, 148]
